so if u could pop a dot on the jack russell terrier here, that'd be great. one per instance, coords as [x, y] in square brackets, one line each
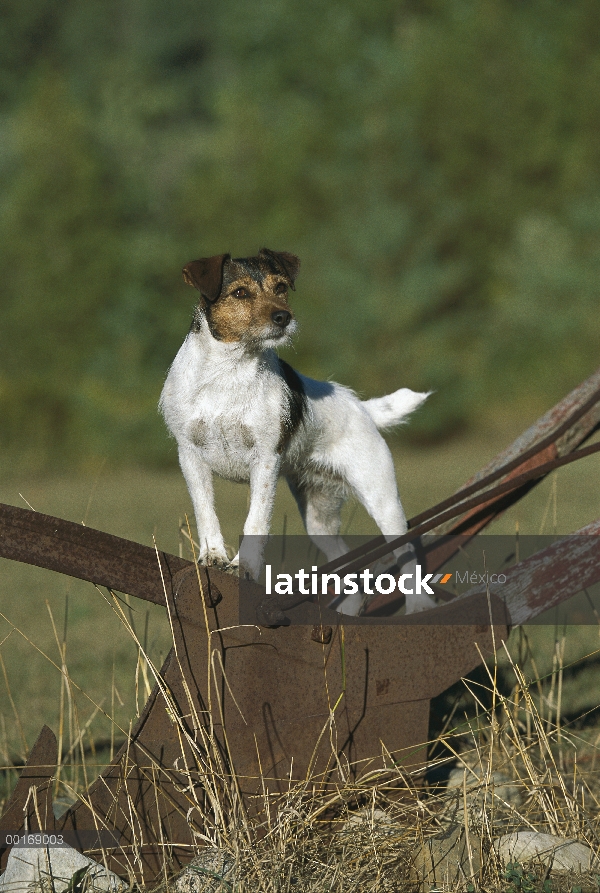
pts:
[237, 410]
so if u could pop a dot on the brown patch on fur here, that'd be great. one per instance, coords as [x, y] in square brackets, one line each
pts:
[247, 436]
[206, 275]
[199, 433]
[233, 318]
[251, 290]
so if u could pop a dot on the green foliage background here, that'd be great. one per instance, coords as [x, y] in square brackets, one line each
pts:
[435, 164]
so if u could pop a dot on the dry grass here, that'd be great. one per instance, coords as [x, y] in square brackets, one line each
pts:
[523, 768]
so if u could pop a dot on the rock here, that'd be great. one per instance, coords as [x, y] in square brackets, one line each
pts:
[211, 871]
[52, 868]
[370, 817]
[563, 854]
[504, 787]
[479, 797]
[444, 859]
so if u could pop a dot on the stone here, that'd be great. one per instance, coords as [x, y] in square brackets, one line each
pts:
[504, 788]
[561, 853]
[506, 797]
[367, 816]
[211, 871]
[52, 868]
[444, 859]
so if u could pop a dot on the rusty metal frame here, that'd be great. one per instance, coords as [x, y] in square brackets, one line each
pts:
[238, 715]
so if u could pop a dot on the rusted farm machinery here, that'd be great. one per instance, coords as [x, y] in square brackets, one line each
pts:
[257, 691]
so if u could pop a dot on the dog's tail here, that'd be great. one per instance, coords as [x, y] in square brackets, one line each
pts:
[394, 409]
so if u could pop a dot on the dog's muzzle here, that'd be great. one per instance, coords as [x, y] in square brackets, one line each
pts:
[281, 318]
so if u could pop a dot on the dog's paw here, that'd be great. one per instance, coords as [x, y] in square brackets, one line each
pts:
[250, 570]
[249, 566]
[350, 605]
[214, 558]
[231, 566]
[416, 603]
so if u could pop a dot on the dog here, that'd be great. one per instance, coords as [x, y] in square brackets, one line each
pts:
[239, 411]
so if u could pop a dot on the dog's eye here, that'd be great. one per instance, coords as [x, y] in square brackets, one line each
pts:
[241, 293]
[281, 288]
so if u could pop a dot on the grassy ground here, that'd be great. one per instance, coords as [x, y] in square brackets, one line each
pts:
[49, 617]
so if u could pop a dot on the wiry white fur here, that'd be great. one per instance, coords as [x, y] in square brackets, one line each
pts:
[224, 402]
[387, 412]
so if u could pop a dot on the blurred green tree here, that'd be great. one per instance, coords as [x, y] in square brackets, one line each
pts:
[434, 164]
[60, 264]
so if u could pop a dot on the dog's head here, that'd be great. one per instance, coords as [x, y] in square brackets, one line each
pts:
[245, 299]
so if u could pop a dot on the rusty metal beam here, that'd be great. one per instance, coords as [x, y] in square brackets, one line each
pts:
[88, 554]
[30, 805]
[565, 426]
[272, 610]
[549, 577]
[556, 434]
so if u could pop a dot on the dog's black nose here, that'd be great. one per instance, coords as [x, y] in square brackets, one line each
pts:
[281, 318]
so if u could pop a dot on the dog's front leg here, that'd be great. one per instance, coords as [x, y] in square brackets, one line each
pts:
[263, 485]
[199, 479]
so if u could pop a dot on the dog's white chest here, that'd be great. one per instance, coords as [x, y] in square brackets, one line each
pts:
[228, 448]
[229, 415]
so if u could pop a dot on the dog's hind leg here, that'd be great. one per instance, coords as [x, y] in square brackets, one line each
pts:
[372, 477]
[320, 506]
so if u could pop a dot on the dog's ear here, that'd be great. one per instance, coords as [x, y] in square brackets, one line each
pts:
[206, 275]
[289, 264]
